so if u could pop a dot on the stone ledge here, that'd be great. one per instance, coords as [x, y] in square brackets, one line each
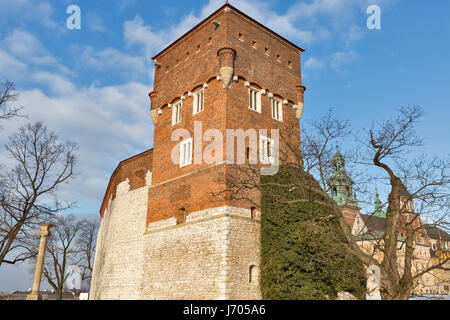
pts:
[219, 216]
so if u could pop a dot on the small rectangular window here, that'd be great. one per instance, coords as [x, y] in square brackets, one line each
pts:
[266, 146]
[254, 99]
[176, 112]
[277, 109]
[199, 101]
[185, 153]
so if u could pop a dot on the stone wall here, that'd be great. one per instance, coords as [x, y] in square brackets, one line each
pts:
[119, 259]
[207, 257]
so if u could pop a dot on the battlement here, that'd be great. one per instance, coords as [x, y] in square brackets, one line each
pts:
[136, 169]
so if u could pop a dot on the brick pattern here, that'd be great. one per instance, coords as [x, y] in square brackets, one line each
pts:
[187, 66]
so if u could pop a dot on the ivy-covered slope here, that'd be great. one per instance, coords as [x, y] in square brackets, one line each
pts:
[304, 254]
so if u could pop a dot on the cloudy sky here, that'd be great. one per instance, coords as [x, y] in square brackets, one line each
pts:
[91, 85]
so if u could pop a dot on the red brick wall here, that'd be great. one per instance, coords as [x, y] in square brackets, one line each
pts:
[135, 169]
[184, 67]
[224, 108]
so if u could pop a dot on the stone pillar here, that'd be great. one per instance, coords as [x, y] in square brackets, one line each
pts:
[226, 64]
[40, 262]
[301, 91]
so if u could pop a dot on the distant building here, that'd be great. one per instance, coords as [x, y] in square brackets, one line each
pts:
[5, 296]
[45, 294]
[369, 230]
[440, 240]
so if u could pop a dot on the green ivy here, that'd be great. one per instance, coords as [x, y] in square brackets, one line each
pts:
[304, 254]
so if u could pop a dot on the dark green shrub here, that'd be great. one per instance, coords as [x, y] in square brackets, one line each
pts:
[304, 254]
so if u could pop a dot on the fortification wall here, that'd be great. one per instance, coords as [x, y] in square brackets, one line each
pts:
[210, 256]
[119, 257]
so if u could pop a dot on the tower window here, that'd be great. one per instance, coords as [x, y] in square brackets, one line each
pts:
[185, 153]
[252, 274]
[254, 99]
[176, 112]
[252, 212]
[199, 101]
[241, 37]
[335, 191]
[254, 44]
[277, 109]
[267, 51]
[181, 216]
[266, 150]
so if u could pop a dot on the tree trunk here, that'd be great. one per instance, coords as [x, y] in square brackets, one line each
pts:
[58, 294]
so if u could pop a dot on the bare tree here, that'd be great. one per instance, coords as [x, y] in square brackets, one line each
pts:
[42, 164]
[426, 179]
[7, 95]
[428, 183]
[62, 250]
[318, 137]
[86, 243]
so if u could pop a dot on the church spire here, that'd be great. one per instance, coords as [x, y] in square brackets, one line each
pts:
[341, 185]
[378, 206]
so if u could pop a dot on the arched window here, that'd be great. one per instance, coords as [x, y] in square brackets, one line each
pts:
[252, 277]
[252, 212]
[181, 216]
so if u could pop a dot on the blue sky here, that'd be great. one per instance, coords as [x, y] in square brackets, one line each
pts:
[91, 85]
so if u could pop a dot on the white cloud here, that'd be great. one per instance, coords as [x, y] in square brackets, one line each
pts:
[306, 23]
[313, 63]
[109, 124]
[27, 10]
[340, 59]
[10, 67]
[95, 23]
[26, 47]
[130, 66]
[137, 34]
[58, 84]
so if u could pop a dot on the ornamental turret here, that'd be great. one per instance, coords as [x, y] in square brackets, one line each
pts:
[341, 185]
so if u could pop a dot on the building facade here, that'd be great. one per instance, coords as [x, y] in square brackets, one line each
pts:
[369, 230]
[166, 232]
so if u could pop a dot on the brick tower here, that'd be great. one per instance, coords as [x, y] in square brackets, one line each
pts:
[163, 235]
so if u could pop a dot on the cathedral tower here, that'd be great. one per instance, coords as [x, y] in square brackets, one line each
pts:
[341, 189]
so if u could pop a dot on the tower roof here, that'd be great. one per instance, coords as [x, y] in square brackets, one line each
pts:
[341, 185]
[378, 206]
[227, 5]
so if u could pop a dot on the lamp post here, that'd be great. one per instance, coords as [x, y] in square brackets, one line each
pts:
[34, 295]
